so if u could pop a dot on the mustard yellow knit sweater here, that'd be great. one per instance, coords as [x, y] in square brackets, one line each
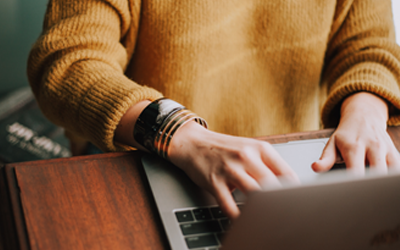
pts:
[249, 67]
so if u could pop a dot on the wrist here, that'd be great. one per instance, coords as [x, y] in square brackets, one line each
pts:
[123, 132]
[159, 121]
[365, 104]
[191, 137]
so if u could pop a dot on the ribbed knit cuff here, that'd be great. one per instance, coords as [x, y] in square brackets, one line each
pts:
[105, 104]
[370, 77]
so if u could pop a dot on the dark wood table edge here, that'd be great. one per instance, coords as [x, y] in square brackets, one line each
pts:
[306, 135]
[393, 131]
[18, 237]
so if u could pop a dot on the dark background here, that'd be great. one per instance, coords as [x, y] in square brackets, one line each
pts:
[20, 25]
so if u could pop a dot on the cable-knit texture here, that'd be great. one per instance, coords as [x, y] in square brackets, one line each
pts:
[250, 68]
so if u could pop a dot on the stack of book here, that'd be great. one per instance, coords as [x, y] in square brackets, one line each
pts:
[25, 133]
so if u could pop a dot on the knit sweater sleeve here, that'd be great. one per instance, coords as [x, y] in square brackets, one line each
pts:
[76, 67]
[362, 55]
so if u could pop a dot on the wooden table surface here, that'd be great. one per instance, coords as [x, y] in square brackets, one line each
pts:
[89, 202]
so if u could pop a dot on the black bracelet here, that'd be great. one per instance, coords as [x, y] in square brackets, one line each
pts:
[151, 119]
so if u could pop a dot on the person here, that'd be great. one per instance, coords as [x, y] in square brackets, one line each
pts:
[248, 68]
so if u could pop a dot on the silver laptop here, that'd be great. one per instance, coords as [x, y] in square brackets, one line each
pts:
[327, 211]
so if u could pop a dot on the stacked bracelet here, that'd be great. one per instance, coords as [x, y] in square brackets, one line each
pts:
[158, 123]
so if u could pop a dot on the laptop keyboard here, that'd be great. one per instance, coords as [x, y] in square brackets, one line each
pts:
[203, 228]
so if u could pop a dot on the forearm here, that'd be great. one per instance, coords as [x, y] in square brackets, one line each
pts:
[76, 68]
[362, 57]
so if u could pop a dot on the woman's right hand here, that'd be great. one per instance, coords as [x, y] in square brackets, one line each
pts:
[220, 163]
[216, 162]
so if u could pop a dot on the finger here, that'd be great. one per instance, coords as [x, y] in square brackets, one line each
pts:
[328, 157]
[262, 173]
[377, 159]
[354, 158]
[266, 178]
[243, 181]
[275, 164]
[256, 177]
[226, 202]
[393, 159]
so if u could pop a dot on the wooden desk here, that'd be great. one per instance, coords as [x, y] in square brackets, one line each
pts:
[90, 202]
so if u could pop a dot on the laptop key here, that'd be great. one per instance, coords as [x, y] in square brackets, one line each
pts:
[184, 216]
[217, 213]
[201, 241]
[202, 214]
[200, 227]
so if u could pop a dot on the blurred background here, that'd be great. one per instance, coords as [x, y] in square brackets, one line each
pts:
[20, 25]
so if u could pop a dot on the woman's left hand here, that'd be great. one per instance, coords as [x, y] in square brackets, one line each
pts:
[361, 138]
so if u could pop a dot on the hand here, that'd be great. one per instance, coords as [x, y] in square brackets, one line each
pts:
[220, 163]
[361, 138]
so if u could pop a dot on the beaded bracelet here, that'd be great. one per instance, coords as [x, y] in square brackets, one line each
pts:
[158, 123]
